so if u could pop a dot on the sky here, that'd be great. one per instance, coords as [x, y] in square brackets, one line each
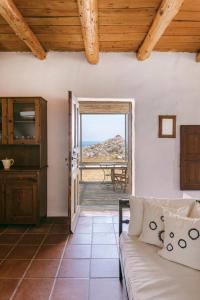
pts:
[102, 127]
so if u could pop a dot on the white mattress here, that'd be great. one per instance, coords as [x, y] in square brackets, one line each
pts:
[150, 277]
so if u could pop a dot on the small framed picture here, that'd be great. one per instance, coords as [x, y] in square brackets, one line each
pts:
[167, 127]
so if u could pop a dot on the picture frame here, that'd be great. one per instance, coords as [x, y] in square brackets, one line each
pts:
[167, 126]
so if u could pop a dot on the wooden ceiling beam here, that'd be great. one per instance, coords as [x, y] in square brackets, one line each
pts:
[165, 14]
[14, 18]
[88, 12]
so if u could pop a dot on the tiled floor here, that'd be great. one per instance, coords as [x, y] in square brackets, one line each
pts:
[46, 264]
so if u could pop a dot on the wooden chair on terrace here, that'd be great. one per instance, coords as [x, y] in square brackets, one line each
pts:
[120, 179]
[106, 173]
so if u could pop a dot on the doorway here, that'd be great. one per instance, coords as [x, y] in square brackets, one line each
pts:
[105, 153]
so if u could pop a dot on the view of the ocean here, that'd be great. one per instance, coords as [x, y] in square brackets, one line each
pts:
[88, 143]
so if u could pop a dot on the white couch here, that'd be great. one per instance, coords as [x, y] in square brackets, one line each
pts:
[151, 277]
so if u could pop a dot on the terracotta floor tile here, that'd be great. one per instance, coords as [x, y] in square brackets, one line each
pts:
[59, 228]
[104, 268]
[43, 268]
[57, 220]
[84, 220]
[23, 252]
[104, 251]
[13, 268]
[80, 239]
[4, 249]
[107, 289]
[84, 228]
[50, 251]
[7, 287]
[74, 268]
[34, 289]
[78, 251]
[102, 220]
[43, 228]
[16, 228]
[104, 238]
[56, 238]
[32, 239]
[9, 238]
[103, 228]
[71, 289]
[2, 228]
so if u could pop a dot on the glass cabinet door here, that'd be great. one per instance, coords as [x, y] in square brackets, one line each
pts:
[3, 121]
[24, 121]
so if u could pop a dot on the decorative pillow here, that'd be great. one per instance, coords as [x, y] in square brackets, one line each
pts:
[136, 215]
[182, 240]
[137, 210]
[195, 213]
[153, 223]
[173, 203]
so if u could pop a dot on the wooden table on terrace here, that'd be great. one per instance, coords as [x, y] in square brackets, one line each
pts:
[103, 167]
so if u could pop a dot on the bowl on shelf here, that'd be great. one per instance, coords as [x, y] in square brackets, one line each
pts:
[27, 115]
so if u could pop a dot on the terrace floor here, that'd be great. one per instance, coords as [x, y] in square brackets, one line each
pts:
[98, 194]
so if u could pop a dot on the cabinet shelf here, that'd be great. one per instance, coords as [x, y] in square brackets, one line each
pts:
[25, 121]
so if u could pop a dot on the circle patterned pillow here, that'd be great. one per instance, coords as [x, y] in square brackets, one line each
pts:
[182, 240]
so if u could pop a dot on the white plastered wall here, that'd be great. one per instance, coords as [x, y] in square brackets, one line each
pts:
[167, 83]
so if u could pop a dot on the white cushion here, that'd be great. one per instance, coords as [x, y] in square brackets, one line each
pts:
[150, 277]
[182, 240]
[137, 210]
[195, 213]
[153, 222]
[136, 215]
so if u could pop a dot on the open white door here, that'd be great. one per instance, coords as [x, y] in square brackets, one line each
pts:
[73, 160]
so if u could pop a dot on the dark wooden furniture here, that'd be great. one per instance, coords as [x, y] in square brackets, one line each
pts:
[123, 204]
[23, 137]
[190, 157]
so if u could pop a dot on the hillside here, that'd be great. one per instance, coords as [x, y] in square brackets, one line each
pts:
[111, 149]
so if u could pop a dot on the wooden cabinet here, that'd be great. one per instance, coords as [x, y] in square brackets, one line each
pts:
[23, 137]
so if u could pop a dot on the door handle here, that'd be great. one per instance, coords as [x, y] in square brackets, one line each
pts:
[74, 158]
[66, 160]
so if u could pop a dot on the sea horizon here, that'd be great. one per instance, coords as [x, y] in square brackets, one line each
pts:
[89, 143]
